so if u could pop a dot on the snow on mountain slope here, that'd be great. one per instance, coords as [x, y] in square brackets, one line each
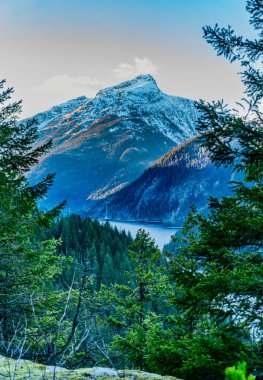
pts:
[45, 118]
[102, 144]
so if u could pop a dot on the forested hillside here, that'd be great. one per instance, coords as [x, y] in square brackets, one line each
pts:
[183, 177]
[97, 248]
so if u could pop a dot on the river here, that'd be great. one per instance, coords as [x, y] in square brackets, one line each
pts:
[161, 233]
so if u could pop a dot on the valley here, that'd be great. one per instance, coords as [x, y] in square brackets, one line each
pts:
[164, 193]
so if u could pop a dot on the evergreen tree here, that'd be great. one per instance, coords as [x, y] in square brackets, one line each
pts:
[218, 269]
[25, 263]
[133, 308]
[87, 242]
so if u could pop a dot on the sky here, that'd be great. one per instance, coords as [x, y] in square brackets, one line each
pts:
[56, 50]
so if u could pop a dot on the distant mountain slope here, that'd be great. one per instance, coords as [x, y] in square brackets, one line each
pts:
[45, 118]
[104, 143]
[183, 177]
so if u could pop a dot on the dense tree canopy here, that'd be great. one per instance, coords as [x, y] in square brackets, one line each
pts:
[25, 264]
[219, 267]
[133, 308]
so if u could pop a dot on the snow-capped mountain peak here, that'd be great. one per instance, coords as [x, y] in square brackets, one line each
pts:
[101, 144]
[141, 84]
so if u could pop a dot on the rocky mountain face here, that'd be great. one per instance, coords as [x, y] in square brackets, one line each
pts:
[104, 143]
[183, 177]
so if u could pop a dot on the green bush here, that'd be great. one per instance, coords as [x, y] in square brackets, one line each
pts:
[238, 372]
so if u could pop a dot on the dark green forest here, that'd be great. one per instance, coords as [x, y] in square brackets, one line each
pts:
[77, 293]
[92, 246]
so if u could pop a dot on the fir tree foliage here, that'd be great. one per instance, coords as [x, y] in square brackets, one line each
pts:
[219, 265]
[137, 307]
[99, 246]
[49, 268]
[26, 265]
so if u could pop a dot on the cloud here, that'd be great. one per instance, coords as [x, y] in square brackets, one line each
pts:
[62, 87]
[140, 66]
[70, 86]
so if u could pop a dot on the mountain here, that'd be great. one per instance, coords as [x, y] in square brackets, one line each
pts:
[183, 177]
[46, 118]
[104, 143]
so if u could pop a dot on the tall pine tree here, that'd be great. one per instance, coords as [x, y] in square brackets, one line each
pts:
[218, 269]
[25, 263]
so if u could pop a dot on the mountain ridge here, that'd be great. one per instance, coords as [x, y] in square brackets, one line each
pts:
[182, 177]
[106, 142]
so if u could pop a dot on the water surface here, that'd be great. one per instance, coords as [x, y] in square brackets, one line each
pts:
[161, 233]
